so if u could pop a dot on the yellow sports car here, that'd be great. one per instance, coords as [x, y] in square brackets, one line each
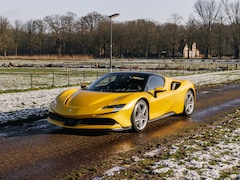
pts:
[122, 100]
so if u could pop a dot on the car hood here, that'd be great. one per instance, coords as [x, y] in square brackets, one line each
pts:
[92, 98]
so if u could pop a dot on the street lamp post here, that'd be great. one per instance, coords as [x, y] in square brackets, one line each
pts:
[111, 16]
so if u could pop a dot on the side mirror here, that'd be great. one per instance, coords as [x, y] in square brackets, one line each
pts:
[84, 86]
[158, 90]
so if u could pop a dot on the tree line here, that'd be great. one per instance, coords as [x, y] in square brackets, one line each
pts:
[215, 27]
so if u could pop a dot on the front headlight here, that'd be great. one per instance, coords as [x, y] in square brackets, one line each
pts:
[115, 107]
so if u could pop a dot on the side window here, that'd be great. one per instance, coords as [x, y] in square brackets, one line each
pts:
[155, 81]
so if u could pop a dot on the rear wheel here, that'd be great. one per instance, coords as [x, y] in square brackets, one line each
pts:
[140, 116]
[189, 103]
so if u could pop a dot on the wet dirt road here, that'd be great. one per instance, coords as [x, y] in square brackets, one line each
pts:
[30, 152]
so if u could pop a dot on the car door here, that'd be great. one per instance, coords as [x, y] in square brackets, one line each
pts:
[161, 102]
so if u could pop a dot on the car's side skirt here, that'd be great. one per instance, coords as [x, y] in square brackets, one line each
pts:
[163, 116]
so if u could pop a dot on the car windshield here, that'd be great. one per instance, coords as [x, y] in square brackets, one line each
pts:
[122, 82]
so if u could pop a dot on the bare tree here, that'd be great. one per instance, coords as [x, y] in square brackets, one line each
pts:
[70, 21]
[173, 28]
[88, 27]
[145, 32]
[56, 25]
[131, 38]
[16, 35]
[30, 28]
[90, 21]
[220, 34]
[159, 41]
[40, 35]
[60, 26]
[4, 35]
[102, 39]
[208, 11]
[232, 10]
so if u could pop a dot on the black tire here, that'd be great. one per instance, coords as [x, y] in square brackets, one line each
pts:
[139, 117]
[189, 103]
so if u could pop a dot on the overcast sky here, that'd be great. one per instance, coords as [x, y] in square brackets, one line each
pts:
[156, 10]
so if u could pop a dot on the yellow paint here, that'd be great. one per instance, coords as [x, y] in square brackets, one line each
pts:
[79, 104]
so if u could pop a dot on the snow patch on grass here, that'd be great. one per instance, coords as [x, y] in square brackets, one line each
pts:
[212, 78]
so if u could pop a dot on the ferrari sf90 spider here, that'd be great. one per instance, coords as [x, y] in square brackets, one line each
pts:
[122, 100]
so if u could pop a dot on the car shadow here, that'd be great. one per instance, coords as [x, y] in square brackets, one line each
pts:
[79, 132]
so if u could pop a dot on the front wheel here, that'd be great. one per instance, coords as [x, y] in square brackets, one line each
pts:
[139, 117]
[189, 103]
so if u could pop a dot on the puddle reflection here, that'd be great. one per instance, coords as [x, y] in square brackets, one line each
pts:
[210, 111]
[170, 129]
[151, 133]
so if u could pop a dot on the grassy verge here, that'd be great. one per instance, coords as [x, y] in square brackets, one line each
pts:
[178, 147]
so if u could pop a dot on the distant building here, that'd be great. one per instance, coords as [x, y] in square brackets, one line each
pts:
[191, 53]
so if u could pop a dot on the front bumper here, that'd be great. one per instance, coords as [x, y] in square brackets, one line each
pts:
[118, 120]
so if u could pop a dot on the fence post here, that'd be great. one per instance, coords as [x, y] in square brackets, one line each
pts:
[68, 78]
[97, 71]
[53, 80]
[31, 80]
[84, 75]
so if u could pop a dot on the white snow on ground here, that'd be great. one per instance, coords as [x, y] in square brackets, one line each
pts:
[212, 78]
[205, 160]
[27, 100]
[24, 105]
